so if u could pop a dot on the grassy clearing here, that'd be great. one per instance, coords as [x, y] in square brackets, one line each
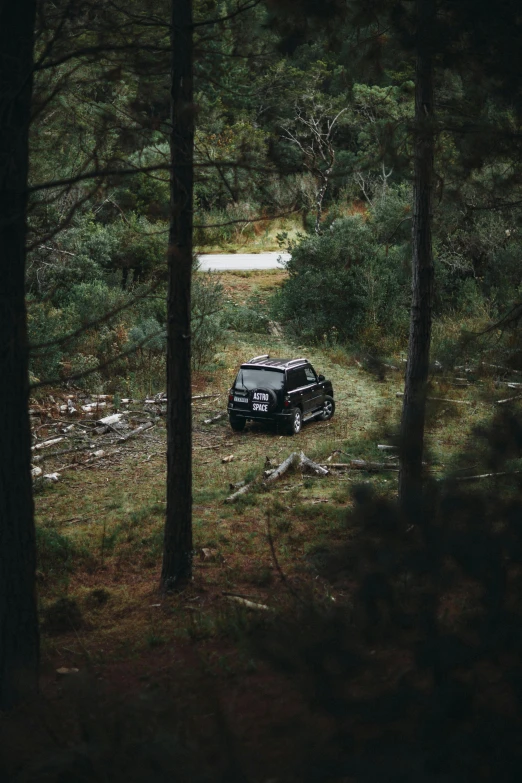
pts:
[259, 236]
[100, 529]
[100, 544]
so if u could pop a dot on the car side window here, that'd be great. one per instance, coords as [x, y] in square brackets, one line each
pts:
[310, 375]
[297, 378]
[292, 381]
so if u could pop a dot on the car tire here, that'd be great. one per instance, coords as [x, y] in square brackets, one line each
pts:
[296, 422]
[237, 423]
[328, 408]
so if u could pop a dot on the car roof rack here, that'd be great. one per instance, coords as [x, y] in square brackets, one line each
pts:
[296, 361]
[258, 358]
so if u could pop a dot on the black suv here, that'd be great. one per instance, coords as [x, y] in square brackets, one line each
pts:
[285, 391]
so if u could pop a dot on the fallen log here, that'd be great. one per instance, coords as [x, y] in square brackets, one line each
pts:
[136, 432]
[46, 443]
[61, 452]
[236, 495]
[247, 603]
[499, 367]
[509, 399]
[487, 475]
[238, 485]
[109, 421]
[297, 459]
[361, 464]
[292, 461]
[215, 418]
[463, 368]
[306, 465]
[440, 399]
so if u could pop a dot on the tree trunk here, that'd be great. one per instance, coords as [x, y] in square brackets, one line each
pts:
[414, 407]
[319, 198]
[177, 553]
[19, 643]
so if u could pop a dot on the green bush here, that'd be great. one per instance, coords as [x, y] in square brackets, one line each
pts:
[344, 284]
[207, 320]
[46, 324]
[92, 381]
[92, 301]
[252, 316]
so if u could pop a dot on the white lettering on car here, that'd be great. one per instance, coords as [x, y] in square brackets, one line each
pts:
[257, 406]
[261, 396]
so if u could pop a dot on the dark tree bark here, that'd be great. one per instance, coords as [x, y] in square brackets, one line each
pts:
[19, 642]
[177, 554]
[414, 406]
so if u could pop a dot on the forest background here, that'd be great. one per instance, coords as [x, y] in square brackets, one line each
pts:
[305, 141]
[313, 127]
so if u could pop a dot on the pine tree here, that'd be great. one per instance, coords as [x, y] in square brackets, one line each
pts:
[414, 406]
[19, 642]
[177, 555]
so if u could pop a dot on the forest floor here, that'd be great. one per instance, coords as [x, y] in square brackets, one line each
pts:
[100, 535]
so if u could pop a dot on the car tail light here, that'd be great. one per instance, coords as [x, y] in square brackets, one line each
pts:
[287, 402]
[230, 397]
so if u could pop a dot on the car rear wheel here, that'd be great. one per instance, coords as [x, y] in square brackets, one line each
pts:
[296, 422]
[237, 423]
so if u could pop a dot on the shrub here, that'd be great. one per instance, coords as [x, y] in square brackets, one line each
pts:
[207, 321]
[47, 324]
[252, 316]
[343, 283]
[92, 301]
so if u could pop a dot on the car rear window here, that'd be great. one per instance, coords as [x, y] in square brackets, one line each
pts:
[259, 378]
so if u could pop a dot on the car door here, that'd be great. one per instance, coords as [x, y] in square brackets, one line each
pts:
[301, 392]
[315, 394]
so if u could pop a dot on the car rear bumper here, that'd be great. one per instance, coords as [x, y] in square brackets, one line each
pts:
[242, 413]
